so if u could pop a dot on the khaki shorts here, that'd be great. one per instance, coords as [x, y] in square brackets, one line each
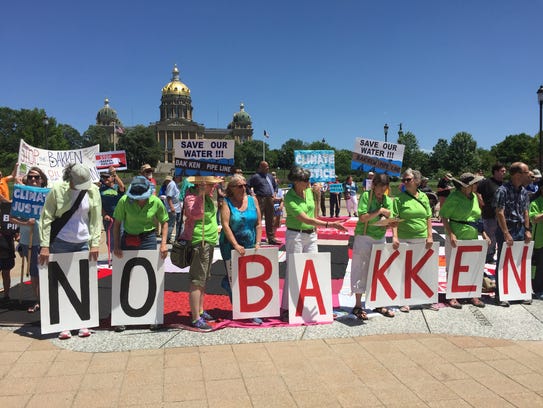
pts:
[200, 269]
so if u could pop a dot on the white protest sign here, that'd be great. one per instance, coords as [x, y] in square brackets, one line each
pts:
[310, 293]
[137, 288]
[52, 162]
[204, 157]
[514, 271]
[255, 283]
[377, 156]
[68, 293]
[406, 276]
[466, 269]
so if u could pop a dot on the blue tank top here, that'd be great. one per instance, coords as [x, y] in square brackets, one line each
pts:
[243, 225]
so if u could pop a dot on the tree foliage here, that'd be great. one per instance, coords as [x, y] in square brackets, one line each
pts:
[521, 147]
[140, 145]
[462, 154]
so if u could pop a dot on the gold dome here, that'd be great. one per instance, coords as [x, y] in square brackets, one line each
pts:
[175, 86]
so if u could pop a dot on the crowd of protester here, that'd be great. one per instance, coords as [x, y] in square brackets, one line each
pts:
[192, 209]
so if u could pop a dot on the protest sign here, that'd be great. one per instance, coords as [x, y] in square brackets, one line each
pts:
[52, 162]
[137, 293]
[117, 159]
[203, 157]
[406, 276]
[28, 201]
[5, 224]
[255, 283]
[321, 164]
[310, 293]
[466, 269]
[336, 188]
[68, 293]
[377, 156]
[514, 271]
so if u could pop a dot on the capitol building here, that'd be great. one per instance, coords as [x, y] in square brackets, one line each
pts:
[176, 120]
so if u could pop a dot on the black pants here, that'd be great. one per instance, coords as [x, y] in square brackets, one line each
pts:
[335, 204]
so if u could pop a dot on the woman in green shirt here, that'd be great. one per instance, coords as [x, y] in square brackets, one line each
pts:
[413, 207]
[373, 206]
[459, 214]
[301, 235]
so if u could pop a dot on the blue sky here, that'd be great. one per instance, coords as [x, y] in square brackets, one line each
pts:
[304, 69]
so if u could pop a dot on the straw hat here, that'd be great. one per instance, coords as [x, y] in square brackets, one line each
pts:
[204, 179]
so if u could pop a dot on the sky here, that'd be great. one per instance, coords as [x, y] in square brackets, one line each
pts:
[305, 69]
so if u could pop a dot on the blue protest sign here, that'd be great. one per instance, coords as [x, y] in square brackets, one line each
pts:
[28, 201]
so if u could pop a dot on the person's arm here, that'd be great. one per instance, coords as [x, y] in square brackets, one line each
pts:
[118, 180]
[452, 236]
[46, 219]
[117, 239]
[429, 238]
[527, 227]
[258, 225]
[502, 223]
[303, 217]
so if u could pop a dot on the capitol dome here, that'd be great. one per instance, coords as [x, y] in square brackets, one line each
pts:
[241, 119]
[107, 115]
[175, 86]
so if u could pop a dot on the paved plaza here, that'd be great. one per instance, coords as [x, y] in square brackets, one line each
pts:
[445, 358]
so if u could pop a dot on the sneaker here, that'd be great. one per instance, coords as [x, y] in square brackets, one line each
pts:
[84, 333]
[154, 327]
[257, 320]
[120, 328]
[207, 317]
[65, 335]
[527, 302]
[502, 303]
[201, 325]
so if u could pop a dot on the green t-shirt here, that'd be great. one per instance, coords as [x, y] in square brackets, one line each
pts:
[458, 207]
[536, 208]
[211, 229]
[136, 219]
[363, 208]
[295, 205]
[415, 214]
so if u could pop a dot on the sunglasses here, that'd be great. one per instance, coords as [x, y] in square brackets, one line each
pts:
[241, 185]
[32, 177]
[406, 180]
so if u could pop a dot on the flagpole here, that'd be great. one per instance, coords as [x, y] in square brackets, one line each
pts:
[263, 150]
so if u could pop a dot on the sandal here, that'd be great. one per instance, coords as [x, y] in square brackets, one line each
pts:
[454, 304]
[405, 309]
[359, 313]
[65, 335]
[384, 311]
[34, 309]
[477, 302]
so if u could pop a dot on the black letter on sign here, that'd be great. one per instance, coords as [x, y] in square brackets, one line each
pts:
[125, 286]
[56, 276]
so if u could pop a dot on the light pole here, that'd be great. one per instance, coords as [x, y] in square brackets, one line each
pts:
[400, 132]
[46, 124]
[540, 100]
[385, 128]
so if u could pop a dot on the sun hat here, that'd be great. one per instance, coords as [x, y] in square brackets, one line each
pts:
[80, 176]
[146, 167]
[168, 178]
[204, 179]
[537, 173]
[469, 179]
[140, 188]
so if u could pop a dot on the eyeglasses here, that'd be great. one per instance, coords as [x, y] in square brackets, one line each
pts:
[32, 177]
[241, 185]
[407, 180]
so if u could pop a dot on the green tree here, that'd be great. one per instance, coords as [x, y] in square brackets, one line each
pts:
[463, 154]
[140, 145]
[439, 159]
[409, 140]
[286, 153]
[71, 136]
[98, 135]
[343, 159]
[513, 148]
[248, 155]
